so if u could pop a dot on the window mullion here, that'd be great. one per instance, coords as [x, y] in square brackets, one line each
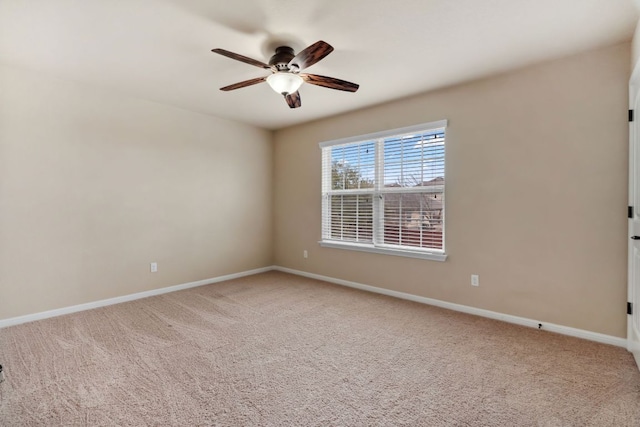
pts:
[326, 198]
[378, 201]
[358, 218]
[422, 161]
[421, 220]
[400, 218]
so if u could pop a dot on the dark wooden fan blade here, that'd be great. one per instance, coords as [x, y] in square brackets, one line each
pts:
[330, 82]
[310, 55]
[293, 99]
[241, 58]
[244, 84]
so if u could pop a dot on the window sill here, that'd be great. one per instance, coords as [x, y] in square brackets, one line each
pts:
[433, 256]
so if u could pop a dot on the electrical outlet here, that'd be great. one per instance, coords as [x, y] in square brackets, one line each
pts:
[154, 267]
[305, 254]
[475, 280]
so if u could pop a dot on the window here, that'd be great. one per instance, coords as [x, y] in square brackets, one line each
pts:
[384, 192]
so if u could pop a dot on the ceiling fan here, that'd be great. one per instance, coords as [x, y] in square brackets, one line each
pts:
[285, 66]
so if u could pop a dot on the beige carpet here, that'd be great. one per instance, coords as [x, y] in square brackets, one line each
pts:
[280, 350]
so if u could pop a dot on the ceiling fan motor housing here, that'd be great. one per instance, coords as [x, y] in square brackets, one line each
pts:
[282, 57]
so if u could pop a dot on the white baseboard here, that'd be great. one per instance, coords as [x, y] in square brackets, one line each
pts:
[117, 300]
[564, 330]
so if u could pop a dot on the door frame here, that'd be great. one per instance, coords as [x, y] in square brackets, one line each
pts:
[633, 294]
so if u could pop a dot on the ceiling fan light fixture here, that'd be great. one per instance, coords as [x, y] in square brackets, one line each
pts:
[284, 82]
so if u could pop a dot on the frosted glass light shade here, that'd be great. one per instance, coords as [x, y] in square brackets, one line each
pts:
[284, 83]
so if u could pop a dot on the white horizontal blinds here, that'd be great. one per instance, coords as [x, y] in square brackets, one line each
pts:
[414, 161]
[349, 172]
[386, 191]
[352, 166]
[351, 217]
[413, 190]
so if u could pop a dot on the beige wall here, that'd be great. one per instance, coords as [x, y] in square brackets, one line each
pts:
[635, 43]
[635, 47]
[94, 186]
[535, 201]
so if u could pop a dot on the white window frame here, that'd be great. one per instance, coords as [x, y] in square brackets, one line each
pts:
[379, 248]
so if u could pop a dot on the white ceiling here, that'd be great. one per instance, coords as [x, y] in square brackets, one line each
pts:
[160, 50]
